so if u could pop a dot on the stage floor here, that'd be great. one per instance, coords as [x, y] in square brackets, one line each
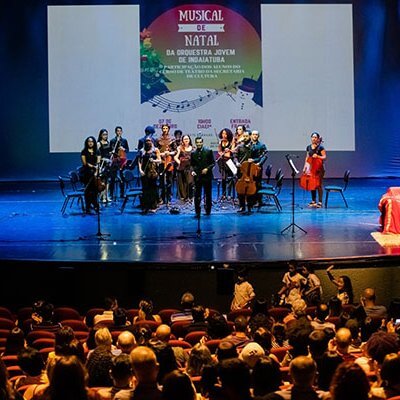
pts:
[32, 228]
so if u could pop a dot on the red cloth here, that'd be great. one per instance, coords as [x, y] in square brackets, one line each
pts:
[389, 206]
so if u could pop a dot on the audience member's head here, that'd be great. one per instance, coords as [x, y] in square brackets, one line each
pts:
[103, 337]
[266, 376]
[144, 364]
[368, 297]
[110, 303]
[198, 313]
[146, 308]
[298, 333]
[68, 379]
[63, 337]
[15, 342]
[42, 312]
[121, 370]
[335, 307]
[326, 368]
[302, 369]
[119, 316]
[382, 343]
[263, 337]
[199, 356]
[235, 378]
[260, 306]
[165, 358]
[218, 326]
[30, 361]
[126, 342]
[322, 312]
[178, 386]
[299, 308]
[241, 324]
[226, 350]
[390, 371]
[318, 343]
[279, 333]
[343, 340]
[251, 353]
[163, 333]
[187, 301]
[349, 382]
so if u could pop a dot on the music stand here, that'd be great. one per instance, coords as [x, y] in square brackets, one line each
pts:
[295, 171]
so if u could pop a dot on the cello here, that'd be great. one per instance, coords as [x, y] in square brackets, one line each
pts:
[246, 185]
[311, 179]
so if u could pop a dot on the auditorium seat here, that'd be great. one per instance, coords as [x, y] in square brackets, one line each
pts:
[43, 343]
[195, 337]
[213, 345]
[179, 343]
[179, 328]
[151, 324]
[91, 314]
[62, 313]
[10, 360]
[166, 313]
[34, 335]
[280, 352]
[232, 315]
[6, 313]
[6, 323]
[75, 325]
[278, 313]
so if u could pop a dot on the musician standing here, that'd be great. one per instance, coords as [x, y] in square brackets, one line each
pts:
[252, 151]
[120, 149]
[202, 161]
[149, 159]
[167, 147]
[314, 166]
[90, 158]
[184, 169]
[225, 154]
[104, 147]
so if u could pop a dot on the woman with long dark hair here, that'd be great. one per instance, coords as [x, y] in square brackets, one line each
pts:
[90, 157]
[344, 286]
[224, 155]
[185, 178]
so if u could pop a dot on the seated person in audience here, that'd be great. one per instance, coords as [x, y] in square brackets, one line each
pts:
[326, 368]
[266, 376]
[42, 317]
[293, 282]
[350, 382]
[15, 342]
[145, 367]
[218, 326]
[302, 370]
[377, 347]
[318, 345]
[199, 357]
[312, 290]
[368, 301]
[225, 350]
[126, 342]
[31, 363]
[353, 326]
[6, 389]
[121, 374]
[263, 337]
[120, 319]
[298, 333]
[235, 380]
[251, 353]
[279, 337]
[63, 337]
[187, 303]
[239, 337]
[260, 316]
[178, 386]
[67, 381]
[320, 322]
[390, 376]
[165, 358]
[243, 293]
[99, 361]
[146, 312]
[110, 304]
[298, 312]
[341, 344]
[199, 322]
[163, 334]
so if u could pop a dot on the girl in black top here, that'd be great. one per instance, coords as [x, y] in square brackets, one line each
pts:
[90, 158]
[104, 147]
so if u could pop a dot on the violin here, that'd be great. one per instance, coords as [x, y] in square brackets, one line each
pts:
[246, 185]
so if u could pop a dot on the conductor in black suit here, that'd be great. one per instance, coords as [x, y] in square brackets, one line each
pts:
[202, 161]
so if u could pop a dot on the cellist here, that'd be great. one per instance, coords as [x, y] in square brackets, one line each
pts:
[252, 151]
[314, 167]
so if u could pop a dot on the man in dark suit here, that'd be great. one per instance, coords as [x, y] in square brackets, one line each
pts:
[202, 161]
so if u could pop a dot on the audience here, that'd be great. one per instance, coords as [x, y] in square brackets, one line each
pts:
[178, 386]
[15, 342]
[146, 312]
[110, 304]
[187, 303]
[371, 309]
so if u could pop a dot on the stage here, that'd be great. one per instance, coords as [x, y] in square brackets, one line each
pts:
[33, 228]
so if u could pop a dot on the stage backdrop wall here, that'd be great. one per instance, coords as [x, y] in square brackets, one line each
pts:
[284, 68]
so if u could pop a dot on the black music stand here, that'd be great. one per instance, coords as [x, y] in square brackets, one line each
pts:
[295, 171]
[99, 235]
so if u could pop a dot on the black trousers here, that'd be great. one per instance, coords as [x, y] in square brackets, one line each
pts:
[201, 184]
